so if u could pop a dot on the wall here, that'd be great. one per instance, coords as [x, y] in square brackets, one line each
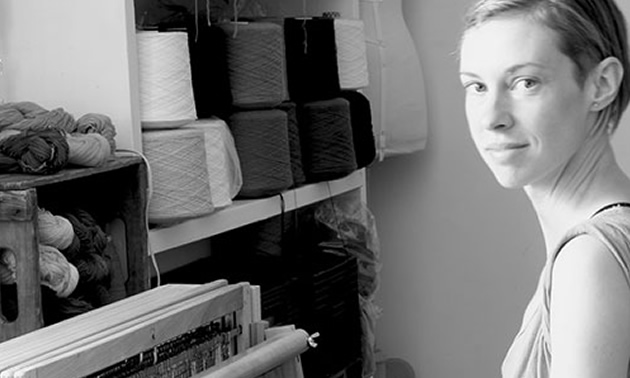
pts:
[52, 64]
[460, 255]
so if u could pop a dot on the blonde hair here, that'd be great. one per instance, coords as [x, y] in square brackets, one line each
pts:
[589, 31]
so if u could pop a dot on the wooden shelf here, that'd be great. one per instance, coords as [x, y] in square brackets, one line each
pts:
[243, 212]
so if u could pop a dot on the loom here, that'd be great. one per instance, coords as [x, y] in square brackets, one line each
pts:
[177, 330]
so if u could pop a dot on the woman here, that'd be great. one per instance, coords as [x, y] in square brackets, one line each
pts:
[545, 89]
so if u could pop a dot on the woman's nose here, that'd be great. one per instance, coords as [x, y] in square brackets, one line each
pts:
[498, 112]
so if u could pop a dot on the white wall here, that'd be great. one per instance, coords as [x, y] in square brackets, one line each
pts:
[76, 54]
[460, 255]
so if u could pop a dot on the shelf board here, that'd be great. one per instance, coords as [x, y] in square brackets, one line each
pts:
[244, 212]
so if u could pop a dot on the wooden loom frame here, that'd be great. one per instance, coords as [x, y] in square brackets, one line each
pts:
[90, 342]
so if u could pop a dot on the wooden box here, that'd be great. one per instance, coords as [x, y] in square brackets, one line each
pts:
[117, 189]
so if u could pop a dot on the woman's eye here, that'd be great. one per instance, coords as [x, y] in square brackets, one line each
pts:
[526, 84]
[475, 87]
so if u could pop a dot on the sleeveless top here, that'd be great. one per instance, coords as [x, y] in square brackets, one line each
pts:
[530, 354]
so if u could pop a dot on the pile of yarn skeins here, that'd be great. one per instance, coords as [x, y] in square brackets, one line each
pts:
[35, 140]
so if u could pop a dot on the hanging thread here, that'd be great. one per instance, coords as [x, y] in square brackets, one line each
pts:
[256, 64]
[351, 54]
[326, 136]
[166, 95]
[181, 188]
[262, 143]
[224, 167]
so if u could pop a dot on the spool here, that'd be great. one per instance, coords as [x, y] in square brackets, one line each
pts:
[312, 71]
[166, 95]
[351, 54]
[362, 129]
[261, 139]
[179, 173]
[224, 167]
[209, 68]
[326, 137]
[294, 142]
[256, 64]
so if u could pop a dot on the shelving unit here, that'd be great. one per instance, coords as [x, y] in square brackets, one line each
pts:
[244, 212]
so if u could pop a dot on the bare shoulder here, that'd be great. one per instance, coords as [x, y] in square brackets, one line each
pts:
[590, 312]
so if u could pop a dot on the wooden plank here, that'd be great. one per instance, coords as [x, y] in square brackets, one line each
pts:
[18, 205]
[25, 181]
[105, 349]
[34, 344]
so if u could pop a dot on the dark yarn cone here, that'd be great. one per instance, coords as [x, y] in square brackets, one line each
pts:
[362, 128]
[295, 148]
[34, 151]
[261, 140]
[311, 53]
[209, 70]
[326, 137]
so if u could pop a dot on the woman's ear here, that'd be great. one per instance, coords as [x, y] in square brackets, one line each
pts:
[606, 78]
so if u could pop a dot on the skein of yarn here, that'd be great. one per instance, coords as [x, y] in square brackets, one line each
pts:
[181, 188]
[54, 230]
[56, 272]
[256, 64]
[326, 136]
[34, 151]
[261, 138]
[351, 54]
[88, 150]
[99, 124]
[166, 95]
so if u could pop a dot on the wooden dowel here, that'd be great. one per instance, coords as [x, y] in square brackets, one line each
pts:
[262, 357]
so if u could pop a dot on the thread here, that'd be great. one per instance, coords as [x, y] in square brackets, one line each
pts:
[256, 64]
[261, 138]
[351, 54]
[294, 142]
[326, 136]
[311, 52]
[362, 128]
[166, 95]
[224, 167]
[181, 188]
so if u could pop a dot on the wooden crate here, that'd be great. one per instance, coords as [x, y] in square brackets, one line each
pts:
[116, 189]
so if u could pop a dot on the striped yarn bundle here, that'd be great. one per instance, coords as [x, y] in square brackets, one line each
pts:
[261, 138]
[362, 129]
[326, 136]
[351, 54]
[312, 71]
[294, 142]
[166, 95]
[224, 167]
[256, 64]
[181, 188]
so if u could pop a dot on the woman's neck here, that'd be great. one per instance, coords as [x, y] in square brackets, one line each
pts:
[590, 180]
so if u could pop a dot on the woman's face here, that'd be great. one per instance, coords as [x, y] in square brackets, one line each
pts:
[526, 112]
